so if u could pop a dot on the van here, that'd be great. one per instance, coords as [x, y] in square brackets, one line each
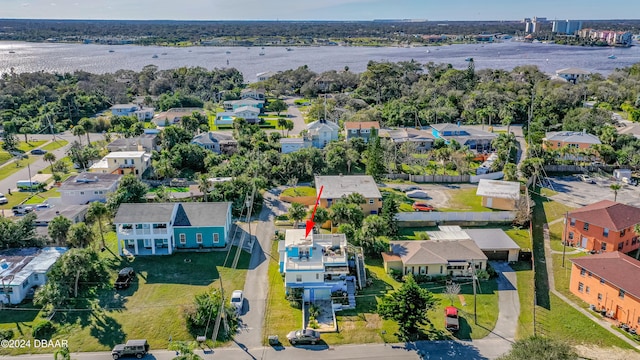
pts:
[29, 185]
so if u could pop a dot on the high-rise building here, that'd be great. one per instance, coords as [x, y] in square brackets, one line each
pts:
[569, 27]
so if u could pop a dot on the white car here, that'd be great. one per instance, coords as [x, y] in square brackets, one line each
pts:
[3, 200]
[237, 300]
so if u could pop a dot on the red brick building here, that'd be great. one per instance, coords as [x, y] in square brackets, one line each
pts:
[603, 226]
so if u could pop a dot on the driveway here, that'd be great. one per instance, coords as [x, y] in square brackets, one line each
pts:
[508, 304]
[294, 114]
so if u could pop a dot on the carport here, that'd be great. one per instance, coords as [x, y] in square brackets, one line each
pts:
[495, 244]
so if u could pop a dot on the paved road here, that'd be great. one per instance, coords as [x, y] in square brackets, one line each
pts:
[256, 286]
[575, 193]
[296, 116]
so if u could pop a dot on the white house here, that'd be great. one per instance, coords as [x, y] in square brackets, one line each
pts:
[250, 114]
[216, 141]
[262, 76]
[255, 94]
[88, 187]
[290, 145]
[317, 263]
[231, 105]
[321, 132]
[142, 113]
[573, 75]
[23, 269]
[123, 162]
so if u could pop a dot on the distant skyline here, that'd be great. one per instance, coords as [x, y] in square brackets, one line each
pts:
[318, 9]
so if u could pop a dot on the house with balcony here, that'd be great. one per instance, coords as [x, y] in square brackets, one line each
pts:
[434, 257]
[605, 226]
[573, 75]
[163, 228]
[231, 105]
[474, 139]
[216, 141]
[21, 270]
[317, 263]
[362, 129]
[88, 187]
[337, 187]
[140, 112]
[321, 132]
[122, 163]
[255, 94]
[608, 282]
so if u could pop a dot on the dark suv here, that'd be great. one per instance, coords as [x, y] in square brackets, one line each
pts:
[137, 348]
[125, 277]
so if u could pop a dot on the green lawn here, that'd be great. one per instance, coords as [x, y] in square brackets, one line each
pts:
[405, 202]
[178, 189]
[152, 308]
[54, 145]
[15, 198]
[300, 191]
[464, 200]
[12, 168]
[524, 275]
[66, 160]
[4, 157]
[41, 197]
[28, 146]
[519, 235]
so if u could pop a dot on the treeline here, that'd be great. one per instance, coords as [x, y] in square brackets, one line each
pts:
[173, 32]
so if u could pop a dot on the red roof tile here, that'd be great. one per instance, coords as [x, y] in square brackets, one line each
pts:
[608, 214]
[614, 267]
[362, 125]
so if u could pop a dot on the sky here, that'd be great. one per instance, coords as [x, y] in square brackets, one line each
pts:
[433, 10]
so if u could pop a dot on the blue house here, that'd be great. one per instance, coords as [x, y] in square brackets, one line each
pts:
[162, 228]
[473, 139]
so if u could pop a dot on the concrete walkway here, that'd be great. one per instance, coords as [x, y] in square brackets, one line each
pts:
[508, 305]
[552, 287]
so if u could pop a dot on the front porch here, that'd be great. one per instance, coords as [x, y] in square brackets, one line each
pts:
[142, 247]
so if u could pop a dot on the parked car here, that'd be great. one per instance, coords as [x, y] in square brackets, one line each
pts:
[22, 209]
[630, 181]
[237, 299]
[303, 336]
[411, 188]
[451, 321]
[125, 278]
[3, 200]
[137, 348]
[38, 152]
[586, 178]
[422, 207]
[417, 194]
[42, 206]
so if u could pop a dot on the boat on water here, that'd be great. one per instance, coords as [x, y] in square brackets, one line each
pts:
[611, 56]
[112, 51]
[163, 54]
[468, 59]
[228, 52]
[11, 52]
[154, 56]
[428, 51]
[261, 53]
[289, 49]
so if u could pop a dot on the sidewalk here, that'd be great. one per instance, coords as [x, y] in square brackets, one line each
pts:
[552, 287]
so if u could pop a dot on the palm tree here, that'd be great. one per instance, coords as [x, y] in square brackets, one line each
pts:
[296, 213]
[615, 188]
[96, 213]
[203, 185]
[51, 158]
[87, 124]
[78, 131]
[321, 216]
[282, 124]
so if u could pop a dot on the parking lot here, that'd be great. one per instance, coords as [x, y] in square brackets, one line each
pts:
[576, 193]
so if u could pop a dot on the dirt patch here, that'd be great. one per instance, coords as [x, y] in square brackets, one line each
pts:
[373, 321]
[347, 325]
[612, 353]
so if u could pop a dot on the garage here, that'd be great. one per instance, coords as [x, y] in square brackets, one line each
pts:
[497, 254]
[495, 244]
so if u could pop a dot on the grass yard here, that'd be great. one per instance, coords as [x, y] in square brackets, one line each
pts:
[66, 160]
[464, 200]
[16, 198]
[41, 197]
[151, 308]
[405, 202]
[300, 191]
[524, 275]
[54, 145]
[28, 146]
[519, 235]
[4, 157]
[12, 168]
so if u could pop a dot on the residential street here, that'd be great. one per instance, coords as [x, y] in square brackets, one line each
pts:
[296, 116]
[256, 287]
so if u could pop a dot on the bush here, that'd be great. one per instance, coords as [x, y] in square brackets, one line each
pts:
[43, 330]
[420, 279]
[396, 275]
[294, 296]
[491, 272]
[313, 323]
[483, 274]
[6, 334]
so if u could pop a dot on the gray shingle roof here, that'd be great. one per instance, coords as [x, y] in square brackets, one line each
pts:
[499, 189]
[202, 214]
[436, 252]
[336, 187]
[573, 137]
[130, 213]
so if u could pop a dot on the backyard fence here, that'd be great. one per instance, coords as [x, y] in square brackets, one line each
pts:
[445, 178]
[410, 219]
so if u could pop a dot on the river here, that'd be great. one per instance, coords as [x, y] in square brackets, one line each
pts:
[57, 57]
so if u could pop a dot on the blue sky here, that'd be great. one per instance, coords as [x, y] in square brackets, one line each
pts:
[318, 9]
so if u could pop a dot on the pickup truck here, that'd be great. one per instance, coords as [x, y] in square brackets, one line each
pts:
[451, 318]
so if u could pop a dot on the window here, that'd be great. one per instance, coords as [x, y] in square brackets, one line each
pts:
[601, 281]
[583, 272]
[605, 232]
[580, 287]
[299, 278]
[586, 226]
[620, 245]
[603, 247]
[622, 232]
[199, 238]
[572, 222]
[147, 243]
[621, 294]
[317, 276]
[440, 269]
[183, 239]
[36, 277]
[587, 290]
[81, 192]
[422, 271]
[599, 297]
[589, 274]
[571, 235]
[216, 238]
[370, 201]
[25, 284]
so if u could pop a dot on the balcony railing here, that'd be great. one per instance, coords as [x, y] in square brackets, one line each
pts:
[159, 231]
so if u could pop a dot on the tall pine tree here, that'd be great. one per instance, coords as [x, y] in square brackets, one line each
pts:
[375, 162]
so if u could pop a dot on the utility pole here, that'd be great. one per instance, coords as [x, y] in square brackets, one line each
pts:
[564, 236]
[216, 328]
[472, 269]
